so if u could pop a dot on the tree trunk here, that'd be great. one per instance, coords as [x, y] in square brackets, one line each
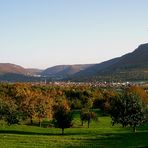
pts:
[40, 124]
[31, 121]
[134, 129]
[82, 122]
[62, 131]
[88, 123]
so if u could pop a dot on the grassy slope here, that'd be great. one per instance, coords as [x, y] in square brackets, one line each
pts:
[100, 134]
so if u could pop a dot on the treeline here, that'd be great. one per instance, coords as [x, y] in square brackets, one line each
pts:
[120, 75]
[23, 101]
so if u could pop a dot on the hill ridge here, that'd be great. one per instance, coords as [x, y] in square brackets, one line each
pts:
[131, 66]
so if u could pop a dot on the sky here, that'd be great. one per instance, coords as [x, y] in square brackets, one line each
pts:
[44, 33]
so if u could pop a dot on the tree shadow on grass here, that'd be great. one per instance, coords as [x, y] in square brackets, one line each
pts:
[116, 140]
[103, 140]
[23, 132]
[39, 133]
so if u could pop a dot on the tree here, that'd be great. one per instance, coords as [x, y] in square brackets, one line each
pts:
[27, 104]
[3, 108]
[140, 92]
[43, 107]
[8, 110]
[127, 109]
[87, 115]
[62, 115]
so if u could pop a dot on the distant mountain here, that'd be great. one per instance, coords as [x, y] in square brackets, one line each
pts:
[33, 71]
[16, 69]
[11, 68]
[15, 73]
[52, 71]
[64, 71]
[138, 59]
[129, 67]
[96, 68]
[132, 66]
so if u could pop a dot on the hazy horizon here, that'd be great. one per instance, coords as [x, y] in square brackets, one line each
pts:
[42, 34]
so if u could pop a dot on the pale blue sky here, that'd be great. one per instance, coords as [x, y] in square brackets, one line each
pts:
[43, 33]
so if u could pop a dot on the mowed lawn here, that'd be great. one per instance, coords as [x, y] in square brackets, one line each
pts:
[101, 134]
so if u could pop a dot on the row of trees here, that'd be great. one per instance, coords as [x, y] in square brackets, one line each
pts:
[19, 102]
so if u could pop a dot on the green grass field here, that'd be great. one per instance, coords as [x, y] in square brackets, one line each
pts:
[100, 135]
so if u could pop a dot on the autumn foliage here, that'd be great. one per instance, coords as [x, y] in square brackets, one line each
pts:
[31, 103]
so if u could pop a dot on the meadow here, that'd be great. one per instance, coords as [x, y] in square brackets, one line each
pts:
[101, 134]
